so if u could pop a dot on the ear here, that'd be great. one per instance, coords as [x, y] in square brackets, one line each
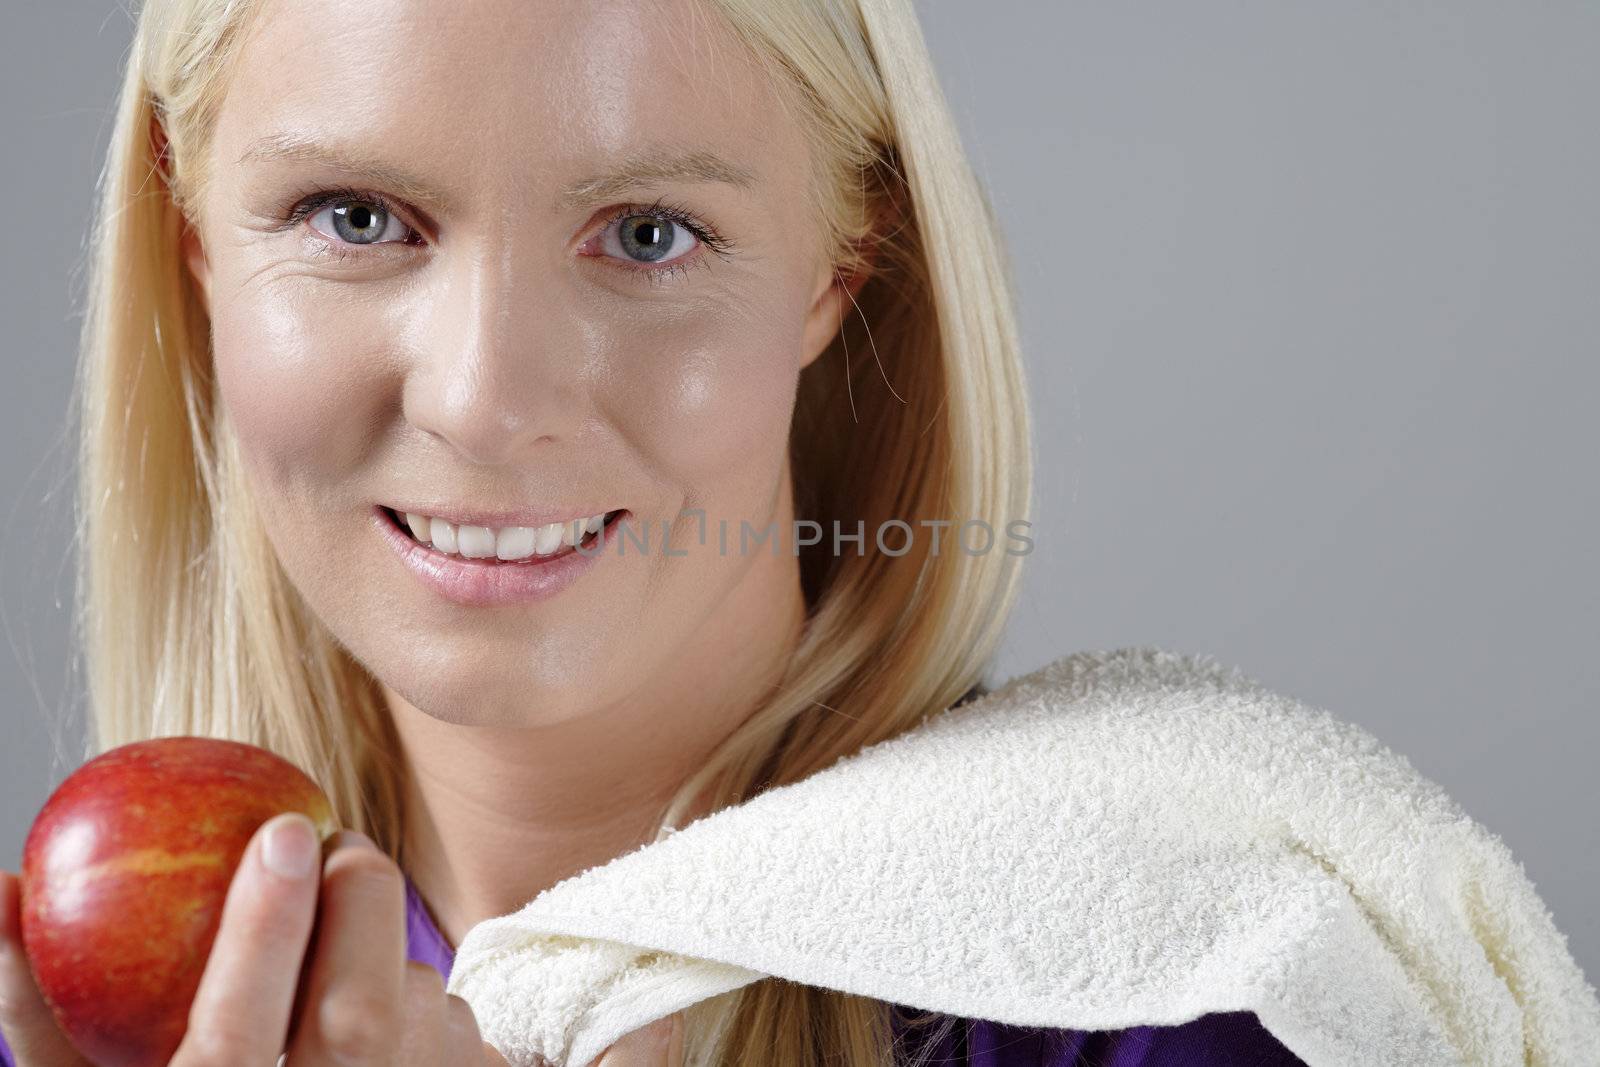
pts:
[194, 258]
[835, 298]
[190, 249]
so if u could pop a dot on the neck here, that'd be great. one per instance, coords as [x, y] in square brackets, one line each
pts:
[493, 816]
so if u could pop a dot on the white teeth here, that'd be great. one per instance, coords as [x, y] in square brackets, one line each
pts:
[444, 536]
[509, 543]
[475, 542]
[514, 542]
[548, 539]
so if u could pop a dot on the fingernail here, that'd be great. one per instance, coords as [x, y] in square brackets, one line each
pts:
[357, 837]
[290, 849]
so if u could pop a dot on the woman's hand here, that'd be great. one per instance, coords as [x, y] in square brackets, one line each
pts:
[358, 1001]
[313, 964]
[319, 967]
[25, 1020]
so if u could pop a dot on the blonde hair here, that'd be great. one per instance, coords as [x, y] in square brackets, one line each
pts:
[916, 412]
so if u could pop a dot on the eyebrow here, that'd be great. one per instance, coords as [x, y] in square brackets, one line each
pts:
[658, 168]
[647, 168]
[292, 147]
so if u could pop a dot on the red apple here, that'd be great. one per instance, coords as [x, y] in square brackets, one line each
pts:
[124, 874]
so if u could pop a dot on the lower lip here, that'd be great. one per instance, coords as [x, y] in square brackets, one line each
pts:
[483, 582]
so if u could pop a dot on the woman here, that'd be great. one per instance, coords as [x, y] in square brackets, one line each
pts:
[403, 315]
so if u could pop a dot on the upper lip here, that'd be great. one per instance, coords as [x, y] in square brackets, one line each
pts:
[498, 519]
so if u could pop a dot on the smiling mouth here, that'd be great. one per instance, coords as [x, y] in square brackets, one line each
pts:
[504, 546]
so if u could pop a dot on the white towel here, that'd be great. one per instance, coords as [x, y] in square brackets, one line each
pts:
[1119, 838]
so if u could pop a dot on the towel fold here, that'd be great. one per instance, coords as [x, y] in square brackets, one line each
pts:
[1118, 838]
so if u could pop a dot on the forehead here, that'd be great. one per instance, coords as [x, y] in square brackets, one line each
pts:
[534, 91]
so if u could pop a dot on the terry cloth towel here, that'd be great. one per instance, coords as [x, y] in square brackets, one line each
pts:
[1171, 839]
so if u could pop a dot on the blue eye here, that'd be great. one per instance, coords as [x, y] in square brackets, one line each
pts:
[659, 233]
[648, 239]
[361, 222]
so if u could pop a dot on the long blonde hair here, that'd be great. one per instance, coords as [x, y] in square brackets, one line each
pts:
[916, 412]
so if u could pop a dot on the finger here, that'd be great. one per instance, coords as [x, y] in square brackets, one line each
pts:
[464, 1042]
[240, 1011]
[356, 985]
[426, 1022]
[675, 1046]
[26, 1021]
[649, 1046]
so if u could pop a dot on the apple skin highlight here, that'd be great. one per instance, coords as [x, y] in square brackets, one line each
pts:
[124, 875]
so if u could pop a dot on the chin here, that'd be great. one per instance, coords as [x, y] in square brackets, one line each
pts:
[499, 701]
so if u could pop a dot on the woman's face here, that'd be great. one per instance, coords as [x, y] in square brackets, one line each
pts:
[513, 327]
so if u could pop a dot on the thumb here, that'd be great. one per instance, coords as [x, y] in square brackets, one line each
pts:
[26, 1021]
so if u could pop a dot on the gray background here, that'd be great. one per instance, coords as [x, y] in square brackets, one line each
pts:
[1309, 298]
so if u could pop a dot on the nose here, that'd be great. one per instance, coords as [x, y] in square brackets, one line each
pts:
[499, 368]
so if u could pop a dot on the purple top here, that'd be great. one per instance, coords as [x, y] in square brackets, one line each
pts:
[951, 1041]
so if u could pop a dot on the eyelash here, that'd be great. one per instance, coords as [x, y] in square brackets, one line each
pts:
[660, 208]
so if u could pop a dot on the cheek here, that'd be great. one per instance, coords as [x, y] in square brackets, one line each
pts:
[299, 388]
[711, 394]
